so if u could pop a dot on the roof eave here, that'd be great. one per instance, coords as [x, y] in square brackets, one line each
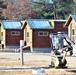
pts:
[58, 20]
[42, 28]
[68, 21]
[24, 25]
[12, 28]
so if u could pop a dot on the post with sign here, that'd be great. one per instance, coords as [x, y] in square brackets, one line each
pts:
[21, 51]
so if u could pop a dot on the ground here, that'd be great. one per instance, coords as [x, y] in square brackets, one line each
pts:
[10, 64]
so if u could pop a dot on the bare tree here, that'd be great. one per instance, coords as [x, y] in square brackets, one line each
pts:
[19, 10]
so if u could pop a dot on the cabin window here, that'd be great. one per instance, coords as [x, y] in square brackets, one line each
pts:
[1, 33]
[42, 33]
[72, 31]
[27, 34]
[15, 33]
[1, 36]
[27, 38]
[73, 34]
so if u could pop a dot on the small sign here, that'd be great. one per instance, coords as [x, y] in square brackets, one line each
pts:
[21, 42]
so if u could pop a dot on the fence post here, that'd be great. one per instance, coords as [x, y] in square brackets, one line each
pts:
[21, 51]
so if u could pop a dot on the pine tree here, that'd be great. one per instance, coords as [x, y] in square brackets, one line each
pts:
[59, 9]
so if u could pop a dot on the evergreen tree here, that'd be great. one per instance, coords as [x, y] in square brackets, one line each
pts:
[74, 8]
[63, 8]
[58, 9]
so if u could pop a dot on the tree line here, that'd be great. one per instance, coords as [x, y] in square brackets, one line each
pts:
[36, 9]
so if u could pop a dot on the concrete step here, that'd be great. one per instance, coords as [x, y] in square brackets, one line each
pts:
[7, 50]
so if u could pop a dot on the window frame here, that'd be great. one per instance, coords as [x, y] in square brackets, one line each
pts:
[1, 33]
[1, 36]
[15, 33]
[27, 37]
[73, 34]
[44, 33]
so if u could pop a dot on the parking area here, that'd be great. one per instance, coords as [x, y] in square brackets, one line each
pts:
[11, 61]
[45, 57]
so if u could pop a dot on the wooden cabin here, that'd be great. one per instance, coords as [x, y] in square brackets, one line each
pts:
[37, 31]
[10, 33]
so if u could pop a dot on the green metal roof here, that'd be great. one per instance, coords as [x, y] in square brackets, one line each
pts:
[73, 16]
[9, 24]
[39, 24]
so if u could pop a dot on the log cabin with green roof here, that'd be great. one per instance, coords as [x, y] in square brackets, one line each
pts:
[10, 33]
[37, 31]
[71, 24]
